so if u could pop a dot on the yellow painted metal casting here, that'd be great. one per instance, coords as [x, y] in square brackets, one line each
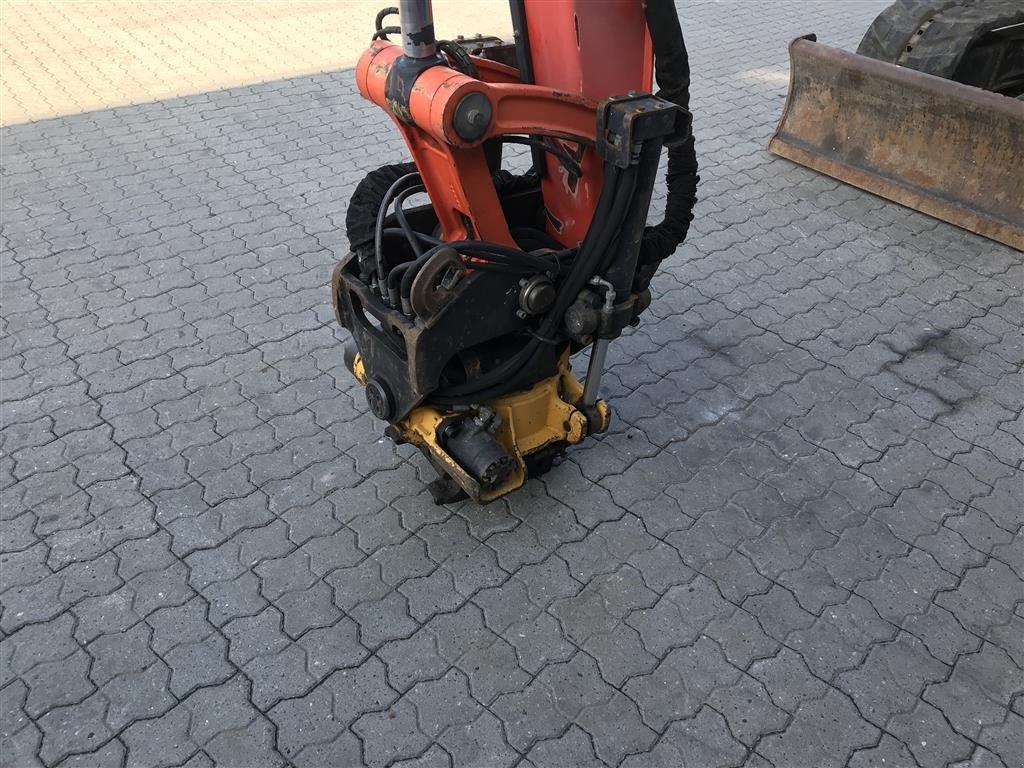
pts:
[531, 420]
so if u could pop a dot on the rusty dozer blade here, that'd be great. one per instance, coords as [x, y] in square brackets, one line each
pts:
[949, 150]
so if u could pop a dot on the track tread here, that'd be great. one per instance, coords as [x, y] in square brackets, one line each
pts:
[953, 32]
[892, 30]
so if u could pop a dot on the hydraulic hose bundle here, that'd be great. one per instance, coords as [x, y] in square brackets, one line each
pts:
[672, 71]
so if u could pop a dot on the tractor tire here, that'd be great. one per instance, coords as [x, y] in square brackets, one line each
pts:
[952, 34]
[898, 26]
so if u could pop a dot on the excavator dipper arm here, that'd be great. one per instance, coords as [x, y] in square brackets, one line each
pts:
[464, 311]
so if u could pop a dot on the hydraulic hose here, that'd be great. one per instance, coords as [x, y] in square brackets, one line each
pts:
[403, 222]
[672, 71]
[394, 189]
[611, 208]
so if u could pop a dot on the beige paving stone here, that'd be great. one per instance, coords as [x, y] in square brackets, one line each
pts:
[64, 56]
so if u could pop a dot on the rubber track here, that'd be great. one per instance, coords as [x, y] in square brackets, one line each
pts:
[890, 33]
[361, 217]
[952, 33]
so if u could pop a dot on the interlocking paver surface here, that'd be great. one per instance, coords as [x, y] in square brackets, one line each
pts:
[799, 545]
[61, 57]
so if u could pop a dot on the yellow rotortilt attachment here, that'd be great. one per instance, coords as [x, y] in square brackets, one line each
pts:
[532, 426]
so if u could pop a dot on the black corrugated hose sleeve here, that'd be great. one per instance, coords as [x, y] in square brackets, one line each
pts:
[672, 71]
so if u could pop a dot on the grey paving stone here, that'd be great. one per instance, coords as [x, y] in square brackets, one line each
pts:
[178, 624]
[31, 604]
[442, 703]
[737, 578]
[304, 609]
[219, 709]
[254, 636]
[701, 740]
[942, 634]
[748, 709]
[575, 685]
[681, 683]
[430, 595]
[974, 602]
[359, 690]
[138, 695]
[574, 747]
[390, 736]
[906, 586]
[529, 716]
[548, 581]
[305, 722]
[788, 680]
[374, 530]
[518, 547]
[58, 683]
[111, 753]
[977, 691]
[344, 750]
[928, 736]
[889, 750]
[23, 746]
[157, 589]
[104, 614]
[620, 654]
[280, 675]
[25, 566]
[538, 641]
[198, 664]
[741, 638]
[400, 562]
[616, 728]
[908, 670]
[823, 731]
[117, 654]
[331, 648]
[841, 638]
[36, 643]
[661, 567]
[492, 670]
[679, 616]
[475, 571]
[75, 728]
[357, 584]
[505, 604]
[383, 620]
[12, 712]
[1004, 739]
[234, 599]
[413, 659]
[330, 552]
[481, 742]
[251, 746]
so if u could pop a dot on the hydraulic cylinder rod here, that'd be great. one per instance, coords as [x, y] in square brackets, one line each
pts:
[417, 20]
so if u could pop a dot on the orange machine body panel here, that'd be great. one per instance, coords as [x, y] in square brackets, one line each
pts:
[596, 49]
[571, 78]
